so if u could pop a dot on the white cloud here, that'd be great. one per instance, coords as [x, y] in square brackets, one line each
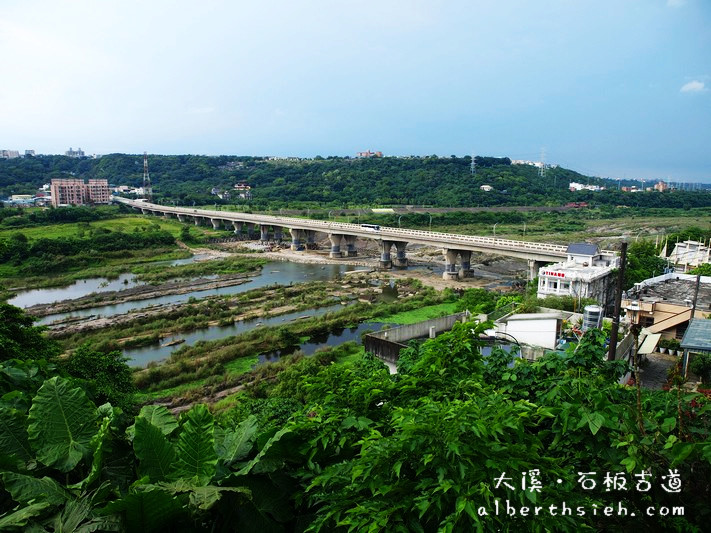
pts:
[694, 86]
[676, 3]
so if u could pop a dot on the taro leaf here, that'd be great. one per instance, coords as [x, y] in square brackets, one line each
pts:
[160, 417]
[237, 444]
[13, 434]
[62, 424]
[197, 459]
[20, 517]
[153, 450]
[25, 489]
[202, 498]
[149, 510]
[272, 455]
[99, 443]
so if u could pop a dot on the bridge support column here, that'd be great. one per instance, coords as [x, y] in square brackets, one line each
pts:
[385, 261]
[181, 218]
[296, 236]
[215, 223]
[351, 250]
[264, 233]
[251, 231]
[400, 257]
[278, 233]
[166, 215]
[198, 221]
[533, 267]
[450, 264]
[144, 211]
[310, 239]
[335, 245]
[465, 268]
[237, 227]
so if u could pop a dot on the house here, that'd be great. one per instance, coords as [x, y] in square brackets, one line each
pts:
[664, 304]
[586, 273]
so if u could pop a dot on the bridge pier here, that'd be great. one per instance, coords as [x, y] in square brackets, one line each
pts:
[400, 257]
[264, 233]
[465, 268]
[198, 221]
[296, 236]
[237, 227]
[310, 239]
[335, 245]
[215, 223]
[533, 267]
[278, 233]
[166, 215]
[144, 211]
[385, 260]
[351, 250]
[251, 231]
[181, 218]
[450, 264]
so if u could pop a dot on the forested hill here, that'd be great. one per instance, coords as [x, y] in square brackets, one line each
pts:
[336, 181]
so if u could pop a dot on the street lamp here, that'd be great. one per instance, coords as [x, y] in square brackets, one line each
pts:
[495, 228]
[524, 229]
[430, 214]
[329, 214]
[398, 220]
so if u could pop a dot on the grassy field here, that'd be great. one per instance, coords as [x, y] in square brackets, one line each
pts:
[418, 315]
[127, 224]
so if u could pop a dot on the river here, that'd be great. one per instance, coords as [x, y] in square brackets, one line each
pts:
[274, 272]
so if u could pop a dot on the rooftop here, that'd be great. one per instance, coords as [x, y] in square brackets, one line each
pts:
[677, 289]
[698, 335]
[583, 248]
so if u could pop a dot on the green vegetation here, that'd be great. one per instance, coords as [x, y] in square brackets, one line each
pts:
[336, 181]
[312, 445]
[420, 314]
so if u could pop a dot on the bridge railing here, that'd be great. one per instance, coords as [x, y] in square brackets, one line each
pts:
[383, 233]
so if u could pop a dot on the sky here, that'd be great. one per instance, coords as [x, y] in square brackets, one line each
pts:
[611, 88]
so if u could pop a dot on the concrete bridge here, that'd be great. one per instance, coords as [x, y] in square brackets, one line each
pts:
[457, 249]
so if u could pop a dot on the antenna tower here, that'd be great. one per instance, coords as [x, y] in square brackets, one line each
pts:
[542, 168]
[147, 189]
[473, 165]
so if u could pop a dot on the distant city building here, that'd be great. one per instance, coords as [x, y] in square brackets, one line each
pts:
[74, 153]
[243, 191]
[575, 186]
[368, 153]
[660, 186]
[76, 192]
[29, 153]
[16, 197]
[538, 164]
[585, 274]
[9, 154]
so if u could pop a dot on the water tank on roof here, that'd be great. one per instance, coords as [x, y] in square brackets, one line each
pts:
[592, 317]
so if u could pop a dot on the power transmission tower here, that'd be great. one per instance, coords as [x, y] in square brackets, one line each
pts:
[542, 168]
[473, 165]
[147, 189]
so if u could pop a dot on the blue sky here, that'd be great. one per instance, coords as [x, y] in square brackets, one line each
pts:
[618, 88]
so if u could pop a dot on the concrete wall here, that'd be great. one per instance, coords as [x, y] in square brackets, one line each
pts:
[536, 332]
[388, 343]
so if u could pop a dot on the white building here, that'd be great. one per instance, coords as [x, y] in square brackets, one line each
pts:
[486, 188]
[586, 273]
[690, 254]
[575, 186]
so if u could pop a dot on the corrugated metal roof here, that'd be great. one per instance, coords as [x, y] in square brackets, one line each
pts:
[697, 335]
[583, 248]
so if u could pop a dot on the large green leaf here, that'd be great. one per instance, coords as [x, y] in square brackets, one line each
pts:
[62, 424]
[20, 517]
[13, 434]
[149, 510]
[236, 445]
[197, 459]
[155, 453]
[99, 444]
[25, 489]
[160, 417]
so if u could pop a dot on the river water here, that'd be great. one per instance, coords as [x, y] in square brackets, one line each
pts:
[274, 272]
[83, 287]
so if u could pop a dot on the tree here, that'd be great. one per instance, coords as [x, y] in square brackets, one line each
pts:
[19, 339]
[106, 375]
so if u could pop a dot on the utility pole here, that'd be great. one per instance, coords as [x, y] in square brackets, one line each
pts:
[542, 168]
[618, 302]
[147, 189]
